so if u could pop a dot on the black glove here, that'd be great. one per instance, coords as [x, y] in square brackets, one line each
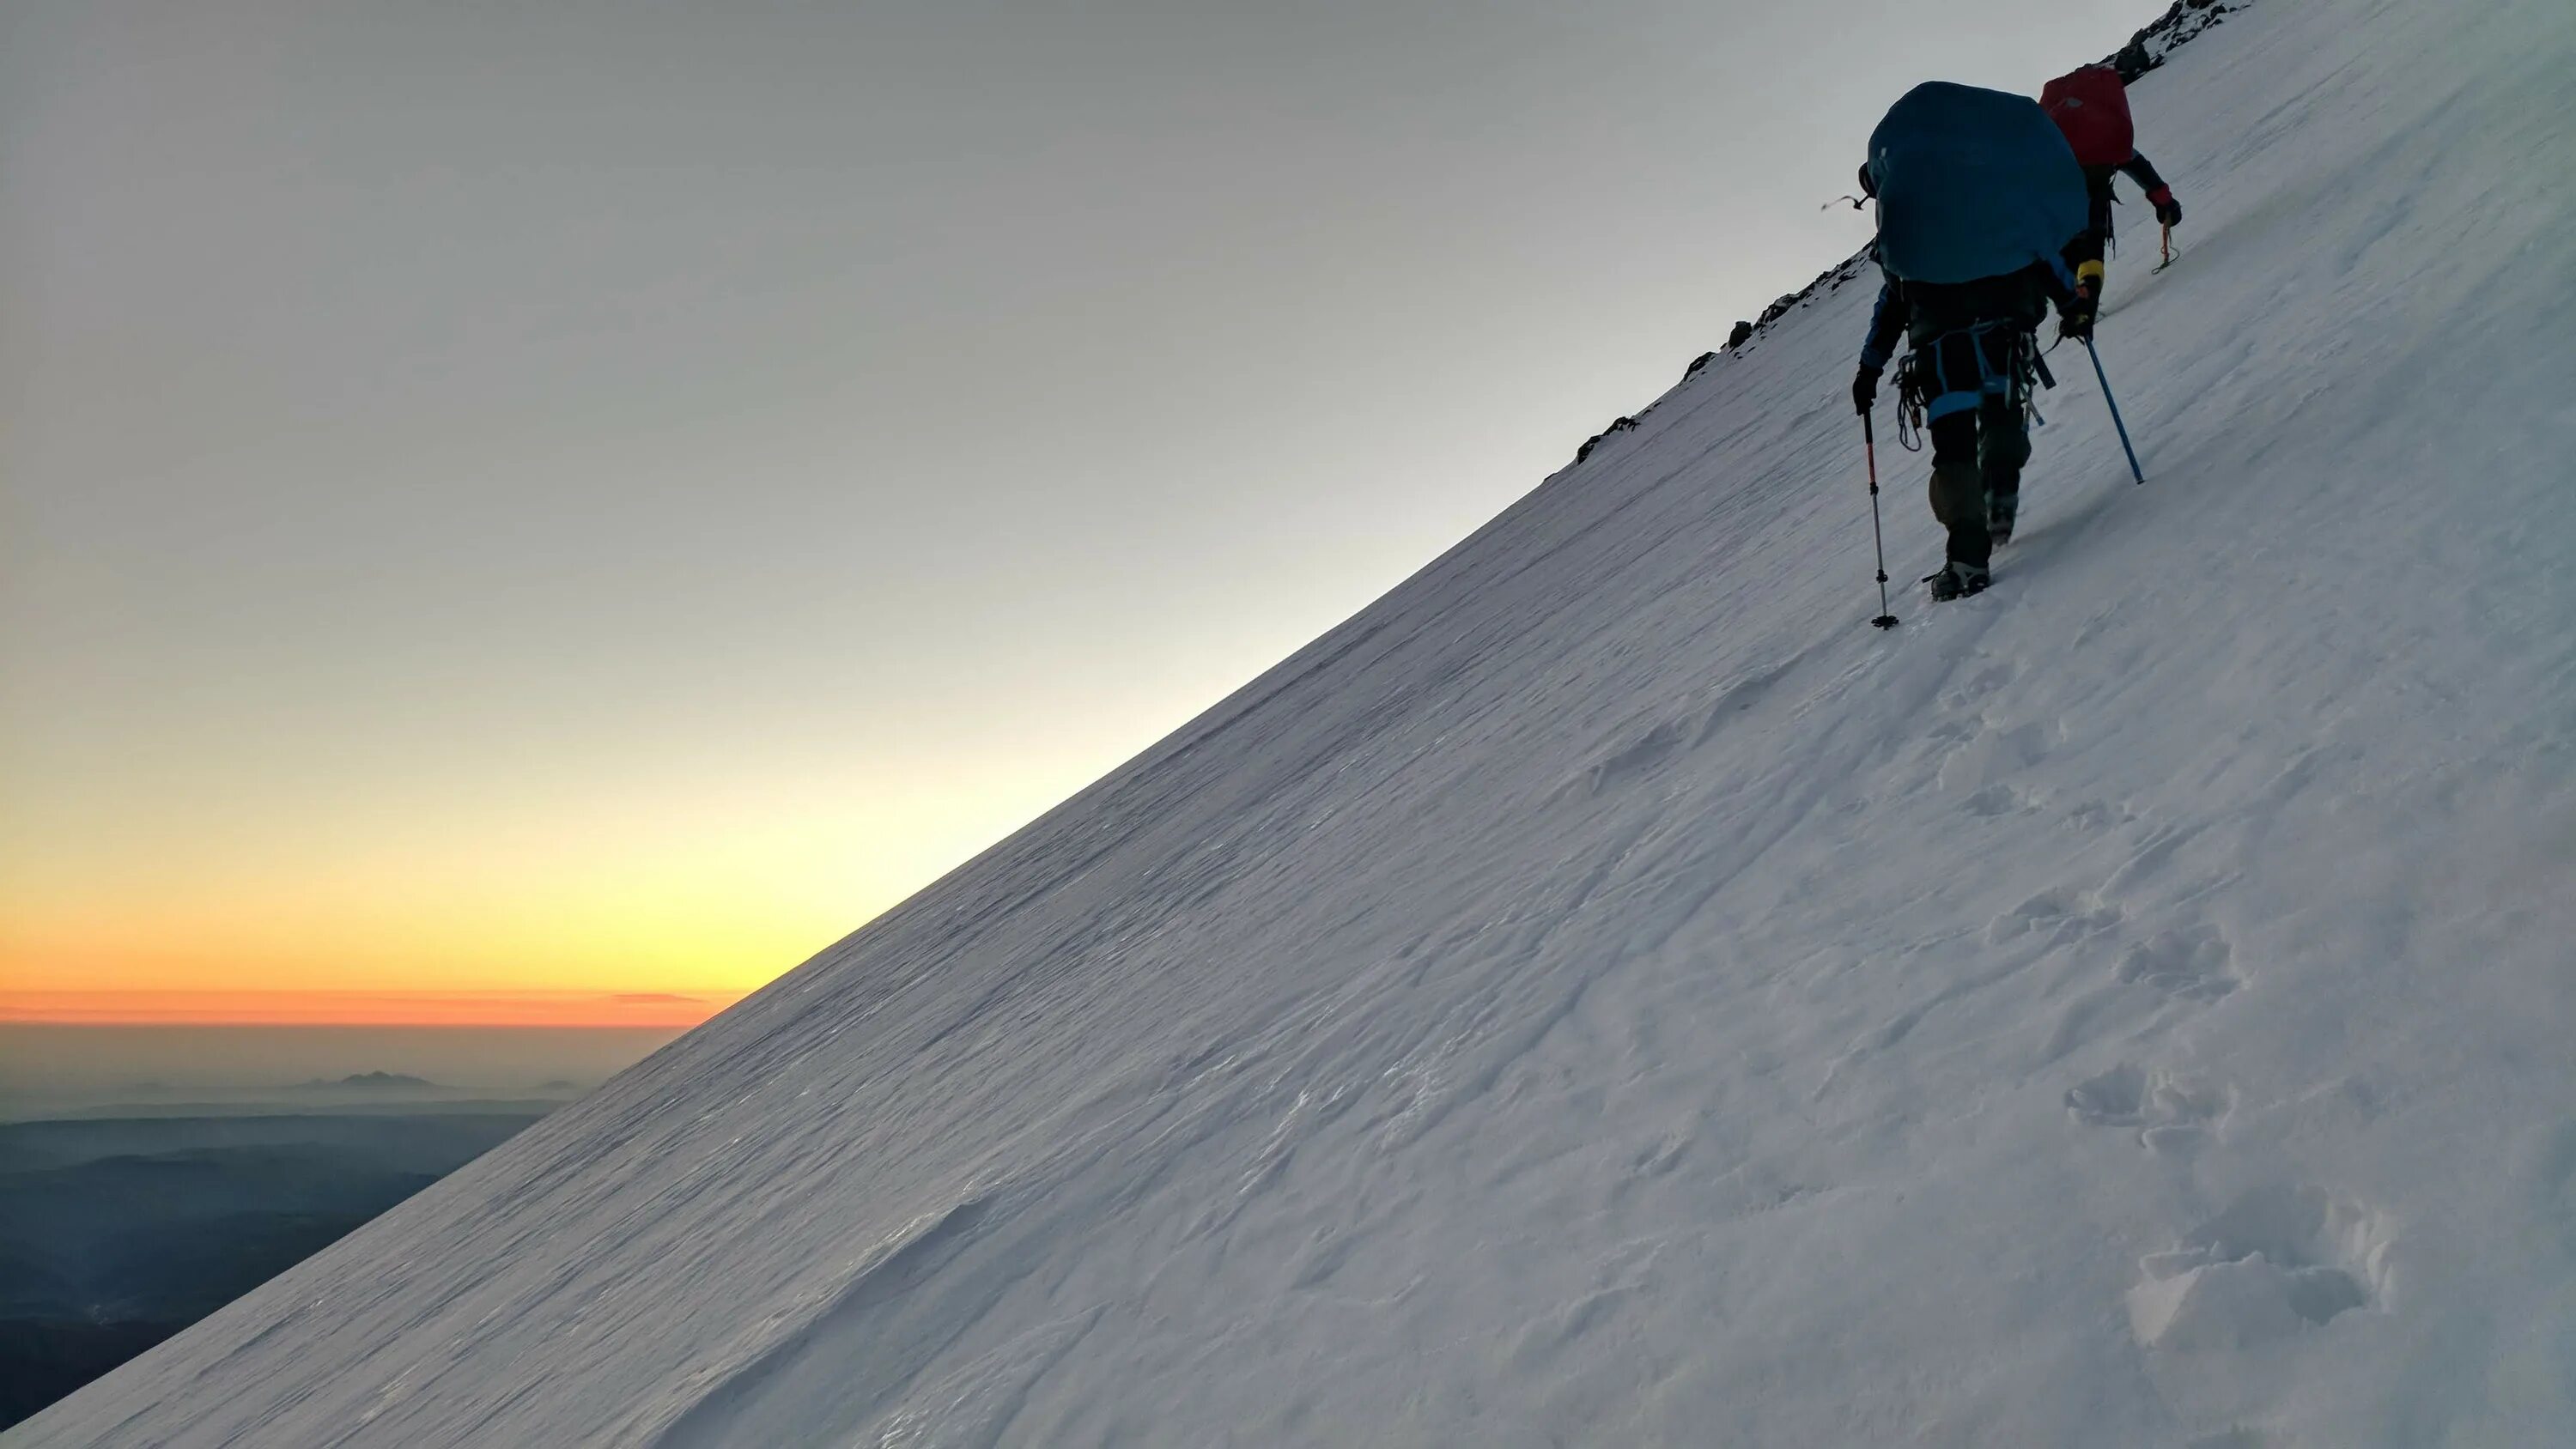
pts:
[2168, 210]
[2075, 314]
[1865, 387]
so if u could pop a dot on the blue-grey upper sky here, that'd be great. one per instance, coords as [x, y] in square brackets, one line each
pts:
[613, 430]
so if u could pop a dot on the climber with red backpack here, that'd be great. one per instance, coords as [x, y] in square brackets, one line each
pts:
[2091, 106]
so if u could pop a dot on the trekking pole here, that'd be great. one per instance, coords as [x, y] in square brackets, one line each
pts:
[2115, 411]
[1878, 540]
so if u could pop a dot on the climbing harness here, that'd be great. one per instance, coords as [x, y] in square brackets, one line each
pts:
[1924, 383]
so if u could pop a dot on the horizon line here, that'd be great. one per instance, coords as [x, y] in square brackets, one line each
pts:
[488, 1009]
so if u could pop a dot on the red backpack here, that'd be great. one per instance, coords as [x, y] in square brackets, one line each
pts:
[2092, 107]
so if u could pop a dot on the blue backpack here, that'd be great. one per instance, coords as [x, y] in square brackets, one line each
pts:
[1972, 183]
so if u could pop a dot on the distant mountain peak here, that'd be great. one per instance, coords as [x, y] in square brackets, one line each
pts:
[366, 1082]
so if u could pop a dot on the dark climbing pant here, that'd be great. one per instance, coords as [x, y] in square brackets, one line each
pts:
[1975, 454]
[1973, 385]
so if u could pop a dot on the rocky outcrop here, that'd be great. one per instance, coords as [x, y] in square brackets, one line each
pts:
[2185, 21]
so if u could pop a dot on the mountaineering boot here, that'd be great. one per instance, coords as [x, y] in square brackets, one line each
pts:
[1957, 581]
[2000, 509]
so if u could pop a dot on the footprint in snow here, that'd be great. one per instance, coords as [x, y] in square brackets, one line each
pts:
[1998, 800]
[2095, 815]
[2062, 914]
[2172, 1115]
[2191, 962]
[2280, 1260]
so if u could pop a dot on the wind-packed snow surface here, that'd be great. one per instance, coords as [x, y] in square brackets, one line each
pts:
[1606, 993]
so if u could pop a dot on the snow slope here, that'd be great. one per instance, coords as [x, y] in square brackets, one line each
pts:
[1605, 993]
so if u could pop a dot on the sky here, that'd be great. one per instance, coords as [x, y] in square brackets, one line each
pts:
[587, 503]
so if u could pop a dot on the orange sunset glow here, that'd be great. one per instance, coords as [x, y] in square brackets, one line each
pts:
[615, 901]
[312, 942]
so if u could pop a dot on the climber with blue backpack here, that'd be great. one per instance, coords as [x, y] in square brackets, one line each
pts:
[1981, 212]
